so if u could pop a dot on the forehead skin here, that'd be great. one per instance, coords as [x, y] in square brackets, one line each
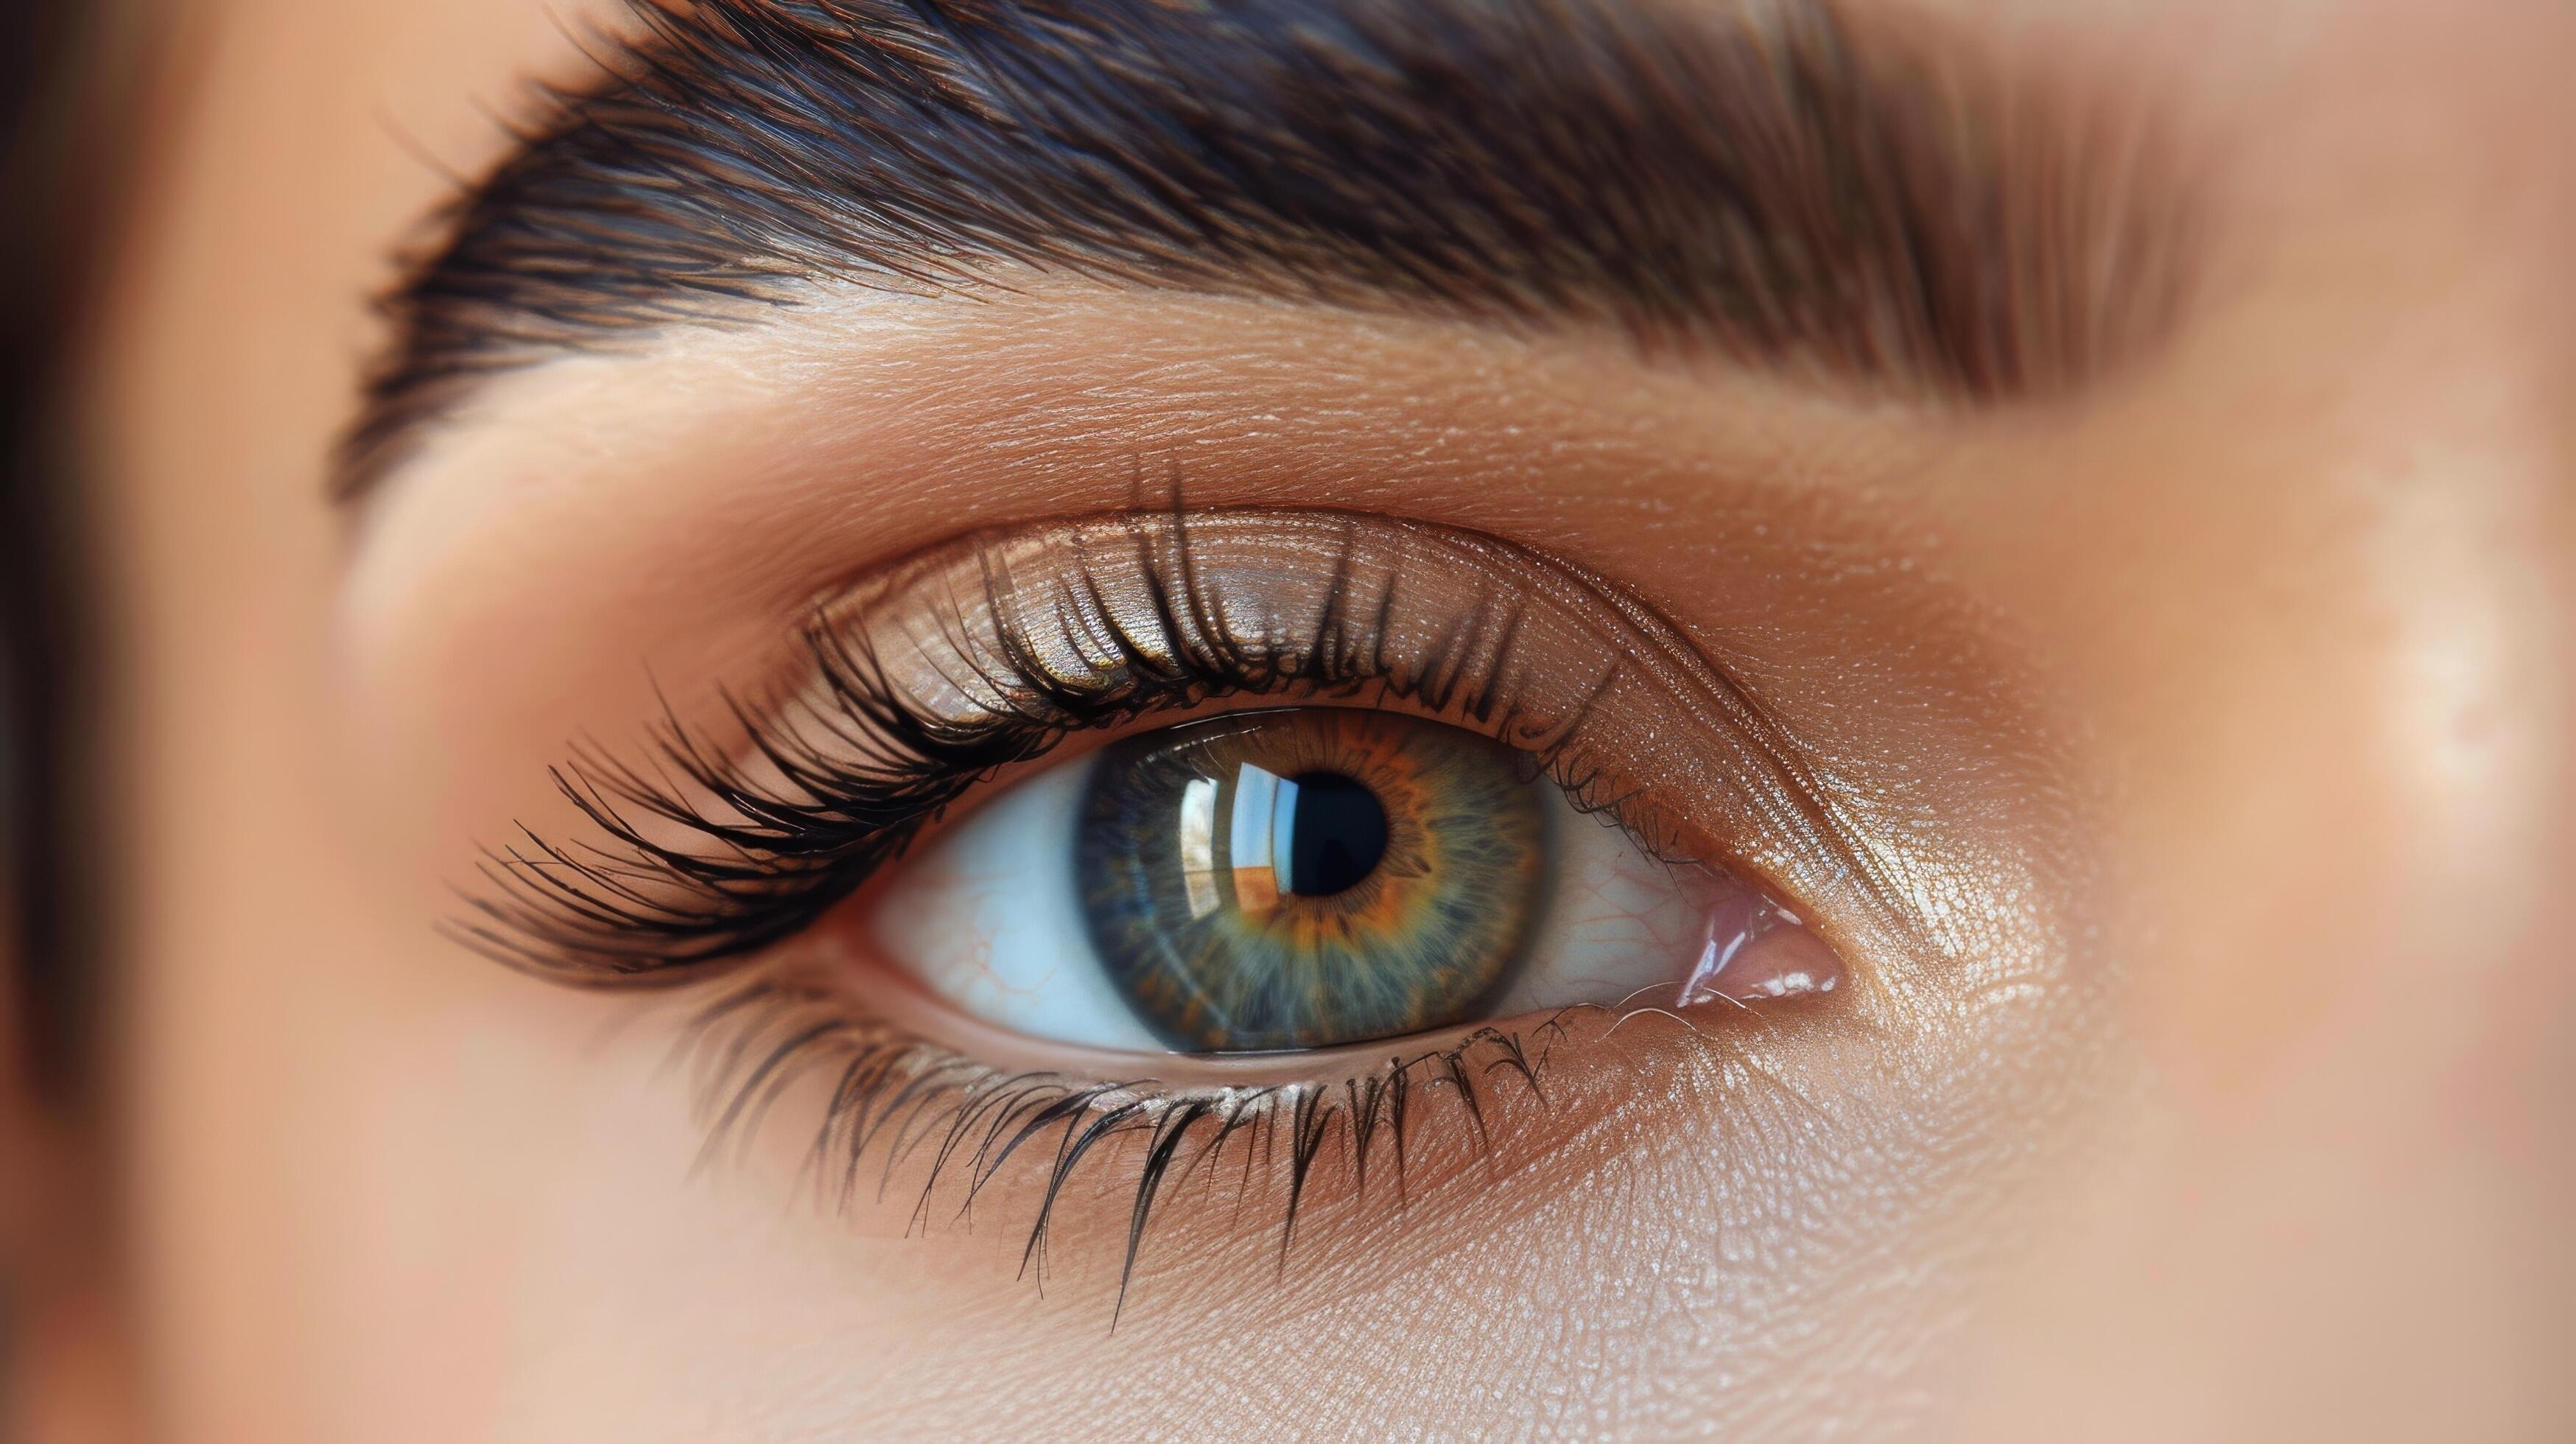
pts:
[2306, 578]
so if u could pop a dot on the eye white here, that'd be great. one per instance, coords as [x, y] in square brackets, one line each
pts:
[989, 917]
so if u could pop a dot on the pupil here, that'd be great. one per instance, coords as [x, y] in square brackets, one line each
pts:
[1336, 834]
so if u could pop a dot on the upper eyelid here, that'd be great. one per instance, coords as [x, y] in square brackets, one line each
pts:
[1364, 577]
[539, 914]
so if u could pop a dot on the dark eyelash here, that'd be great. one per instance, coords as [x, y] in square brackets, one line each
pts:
[897, 1095]
[862, 771]
[708, 854]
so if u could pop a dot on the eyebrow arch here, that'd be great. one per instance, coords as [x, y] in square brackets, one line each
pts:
[1747, 179]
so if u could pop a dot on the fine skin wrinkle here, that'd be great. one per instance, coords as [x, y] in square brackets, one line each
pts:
[2076, 506]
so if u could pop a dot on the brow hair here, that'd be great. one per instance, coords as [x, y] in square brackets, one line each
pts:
[1746, 181]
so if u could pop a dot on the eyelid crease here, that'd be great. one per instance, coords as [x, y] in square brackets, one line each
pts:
[984, 653]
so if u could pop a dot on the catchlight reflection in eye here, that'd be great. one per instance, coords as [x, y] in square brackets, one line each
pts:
[1306, 877]
[1301, 878]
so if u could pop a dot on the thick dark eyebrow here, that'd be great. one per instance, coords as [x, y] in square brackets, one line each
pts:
[1740, 178]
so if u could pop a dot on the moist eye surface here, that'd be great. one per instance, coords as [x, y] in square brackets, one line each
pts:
[1305, 878]
[1264, 883]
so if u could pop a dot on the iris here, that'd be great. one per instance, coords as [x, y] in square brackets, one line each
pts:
[1297, 879]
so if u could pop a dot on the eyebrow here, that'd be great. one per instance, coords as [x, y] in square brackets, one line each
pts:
[1745, 179]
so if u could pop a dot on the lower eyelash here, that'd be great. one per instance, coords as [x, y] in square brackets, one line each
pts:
[896, 1097]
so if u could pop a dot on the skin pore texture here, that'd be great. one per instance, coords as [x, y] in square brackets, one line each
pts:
[2204, 1071]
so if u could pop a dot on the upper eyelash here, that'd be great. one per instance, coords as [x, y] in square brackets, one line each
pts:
[865, 769]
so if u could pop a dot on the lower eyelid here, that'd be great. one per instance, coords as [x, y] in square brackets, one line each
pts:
[900, 1134]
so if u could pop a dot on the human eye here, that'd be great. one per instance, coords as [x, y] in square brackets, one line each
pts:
[1315, 877]
[1161, 826]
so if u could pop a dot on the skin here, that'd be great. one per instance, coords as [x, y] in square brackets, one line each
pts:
[2252, 662]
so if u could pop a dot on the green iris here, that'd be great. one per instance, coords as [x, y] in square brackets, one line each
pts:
[1302, 878]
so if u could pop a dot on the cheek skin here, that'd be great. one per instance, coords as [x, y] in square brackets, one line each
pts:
[2305, 586]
